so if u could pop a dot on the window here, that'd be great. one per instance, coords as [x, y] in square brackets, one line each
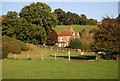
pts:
[68, 38]
[73, 33]
[61, 38]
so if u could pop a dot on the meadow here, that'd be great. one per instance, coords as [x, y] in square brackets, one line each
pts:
[61, 68]
[76, 28]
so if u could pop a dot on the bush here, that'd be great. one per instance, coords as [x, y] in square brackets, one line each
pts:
[85, 45]
[23, 46]
[75, 43]
[55, 45]
[4, 53]
[11, 45]
[78, 43]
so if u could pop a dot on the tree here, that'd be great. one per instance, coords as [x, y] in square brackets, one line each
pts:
[73, 18]
[107, 38]
[83, 19]
[12, 14]
[61, 16]
[52, 38]
[34, 24]
[24, 31]
[118, 18]
[92, 22]
[39, 14]
[83, 16]
[68, 18]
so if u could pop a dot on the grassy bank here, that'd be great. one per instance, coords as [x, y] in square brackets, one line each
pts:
[77, 28]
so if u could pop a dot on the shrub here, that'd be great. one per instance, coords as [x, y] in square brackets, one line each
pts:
[4, 53]
[23, 46]
[78, 43]
[11, 45]
[75, 43]
[85, 45]
[55, 45]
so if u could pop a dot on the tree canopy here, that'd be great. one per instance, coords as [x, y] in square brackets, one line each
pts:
[107, 37]
[69, 18]
[34, 24]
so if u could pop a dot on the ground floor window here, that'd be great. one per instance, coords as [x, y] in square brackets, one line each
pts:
[62, 44]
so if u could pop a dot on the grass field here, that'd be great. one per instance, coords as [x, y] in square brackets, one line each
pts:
[77, 28]
[59, 69]
[49, 68]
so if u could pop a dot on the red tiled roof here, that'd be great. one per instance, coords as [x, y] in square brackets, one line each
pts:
[58, 33]
[66, 33]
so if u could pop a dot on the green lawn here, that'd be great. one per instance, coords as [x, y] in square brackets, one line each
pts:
[61, 68]
[77, 28]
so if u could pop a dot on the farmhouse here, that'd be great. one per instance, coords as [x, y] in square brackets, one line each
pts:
[65, 36]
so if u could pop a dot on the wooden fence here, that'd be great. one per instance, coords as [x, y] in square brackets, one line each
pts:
[59, 48]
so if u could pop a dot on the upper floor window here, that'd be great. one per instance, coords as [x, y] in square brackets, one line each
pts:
[68, 38]
[61, 38]
[73, 33]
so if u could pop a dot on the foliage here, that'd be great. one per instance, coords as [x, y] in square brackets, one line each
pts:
[34, 24]
[4, 53]
[61, 16]
[52, 38]
[39, 14]
[55, 45]
[79, 43]
[13, 14]
[75, 43]
[11, 45]
[118, 18]
[88, 35]
[69, 18]
[108, 37]
[85, 44]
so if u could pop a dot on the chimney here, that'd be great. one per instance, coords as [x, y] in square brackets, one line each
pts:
[71, 28]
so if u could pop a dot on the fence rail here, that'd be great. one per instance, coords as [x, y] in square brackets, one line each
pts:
[61, 48]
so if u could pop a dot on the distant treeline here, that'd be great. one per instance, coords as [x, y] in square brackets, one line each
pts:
[69, 18]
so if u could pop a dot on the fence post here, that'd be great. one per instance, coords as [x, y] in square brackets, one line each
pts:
[82, 53]
[74, 50]
[45, 47]
[69, 55]
[15, 56]
[51, 48]
[55, 56]
[28, 56]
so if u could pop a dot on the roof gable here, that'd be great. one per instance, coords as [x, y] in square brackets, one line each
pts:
[66, 33]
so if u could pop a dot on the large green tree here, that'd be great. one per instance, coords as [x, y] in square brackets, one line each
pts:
[61, 16]
[107, 38]
[39, 14]
[34, 24]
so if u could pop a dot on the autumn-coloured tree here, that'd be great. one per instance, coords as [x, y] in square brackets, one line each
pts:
[52, 38]
[107, 38]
